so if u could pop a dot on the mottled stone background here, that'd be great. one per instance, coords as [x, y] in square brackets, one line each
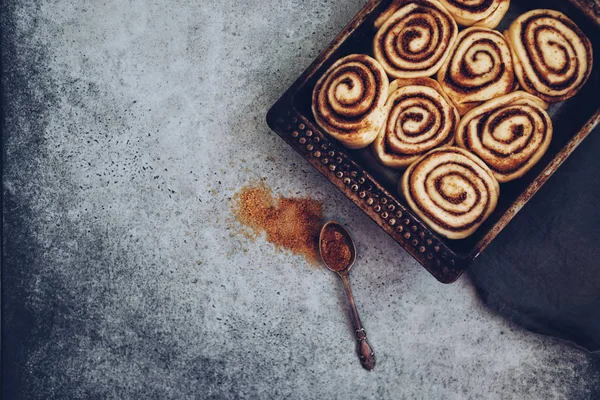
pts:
[128, 127]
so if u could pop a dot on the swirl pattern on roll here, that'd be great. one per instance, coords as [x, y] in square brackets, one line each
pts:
[478, 68]
[348, 101]
[419, 118]
[414, 41]
[510, 134]
[485, 13]
[552, 56]
[452, 190]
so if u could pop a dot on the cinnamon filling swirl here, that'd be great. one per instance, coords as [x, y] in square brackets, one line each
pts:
[485, 13]
[478, 68]
[348, 101]
[451, 190]
[419, 118]
[553, 57]
[510, 134]
[415, 39]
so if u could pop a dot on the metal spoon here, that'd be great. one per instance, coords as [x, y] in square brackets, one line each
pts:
[364, 350]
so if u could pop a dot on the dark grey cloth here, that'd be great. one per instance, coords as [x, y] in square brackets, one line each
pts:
[543, 270]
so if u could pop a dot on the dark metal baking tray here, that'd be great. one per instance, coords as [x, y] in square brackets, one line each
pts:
[372, 187]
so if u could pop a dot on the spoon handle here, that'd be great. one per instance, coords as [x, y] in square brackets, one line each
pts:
[366, 354]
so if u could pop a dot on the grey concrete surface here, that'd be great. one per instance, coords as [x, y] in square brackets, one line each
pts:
[129, 126]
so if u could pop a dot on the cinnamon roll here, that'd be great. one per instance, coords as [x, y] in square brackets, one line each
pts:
[486, 13]
[478, 68]
[348, 101]
[419, 118]
[510, 134]
[414, 41]
[451, 190]
[552, 56]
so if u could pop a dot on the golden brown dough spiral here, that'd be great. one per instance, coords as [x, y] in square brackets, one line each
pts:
[486, 13]
[419, 118]
[552, 56]
[452, 190]
[414, 41]
[348, 101]
[510, 134]
[478, 68]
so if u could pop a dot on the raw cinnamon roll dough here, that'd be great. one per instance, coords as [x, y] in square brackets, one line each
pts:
[510, 134]
[420, 117]
[552, 56]
[451, 190]
[478, 68]
[348, 101]
[414, 41]
[485, 13]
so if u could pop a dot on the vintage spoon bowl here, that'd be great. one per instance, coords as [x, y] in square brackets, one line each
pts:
[338, 227]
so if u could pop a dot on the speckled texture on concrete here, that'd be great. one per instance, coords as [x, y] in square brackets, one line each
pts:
[129, 126]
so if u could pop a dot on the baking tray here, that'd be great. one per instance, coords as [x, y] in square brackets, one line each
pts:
[373, 187]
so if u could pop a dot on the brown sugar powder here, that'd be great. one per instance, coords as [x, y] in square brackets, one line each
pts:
[335, 248]
[289, 223]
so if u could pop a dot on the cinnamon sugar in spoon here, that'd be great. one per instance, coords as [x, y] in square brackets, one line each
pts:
[338, 253]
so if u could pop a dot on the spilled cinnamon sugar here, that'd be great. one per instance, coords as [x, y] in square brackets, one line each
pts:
[289, 223]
